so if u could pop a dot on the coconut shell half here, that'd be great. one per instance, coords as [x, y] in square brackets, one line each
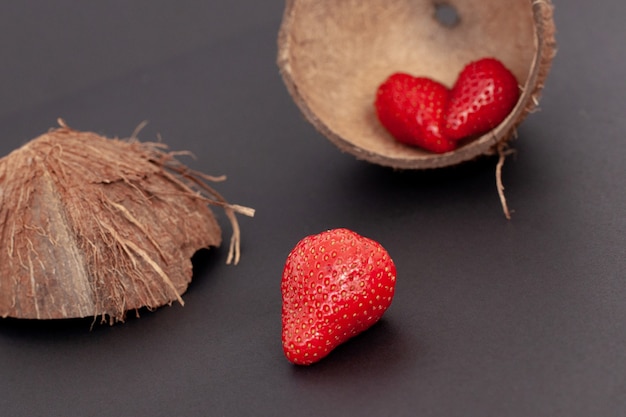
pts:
[333, 55]
[92, 226]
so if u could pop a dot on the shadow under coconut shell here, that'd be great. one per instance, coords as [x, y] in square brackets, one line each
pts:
[203, 261]
[471, 177]
[55, 328]
[46, 329]
[387, 194]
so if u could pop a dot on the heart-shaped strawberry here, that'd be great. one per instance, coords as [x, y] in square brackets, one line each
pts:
[482, 97]
[412, 110]
[335, 285]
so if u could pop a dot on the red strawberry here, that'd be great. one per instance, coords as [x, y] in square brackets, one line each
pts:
[483, 95]
[411, 109]
[335, 285]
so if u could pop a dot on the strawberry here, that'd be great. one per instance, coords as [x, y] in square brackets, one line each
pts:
[411, 109]
[335, 285]
[483, 95]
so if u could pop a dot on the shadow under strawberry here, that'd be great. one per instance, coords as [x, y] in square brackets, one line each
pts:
[379, 350]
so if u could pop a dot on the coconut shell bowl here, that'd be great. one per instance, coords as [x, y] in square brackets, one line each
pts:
[333, 55]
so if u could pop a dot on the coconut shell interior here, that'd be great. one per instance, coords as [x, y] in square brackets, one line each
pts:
[333, 55]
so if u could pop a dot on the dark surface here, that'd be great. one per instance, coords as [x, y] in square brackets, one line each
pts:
[491, 317]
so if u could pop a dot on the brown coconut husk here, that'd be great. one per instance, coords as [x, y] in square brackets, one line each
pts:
[93, 227]
[333, 55]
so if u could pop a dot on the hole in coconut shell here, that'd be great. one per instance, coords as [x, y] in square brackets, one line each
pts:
[447, 15]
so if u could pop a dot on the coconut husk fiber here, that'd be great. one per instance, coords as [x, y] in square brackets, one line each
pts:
[333, 55]
[94, 227]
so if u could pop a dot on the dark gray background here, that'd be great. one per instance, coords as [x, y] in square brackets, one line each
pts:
[491, 318]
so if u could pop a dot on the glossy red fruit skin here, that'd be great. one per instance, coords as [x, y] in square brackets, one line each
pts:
[482, 97]
[335, 285]
[412, 110]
